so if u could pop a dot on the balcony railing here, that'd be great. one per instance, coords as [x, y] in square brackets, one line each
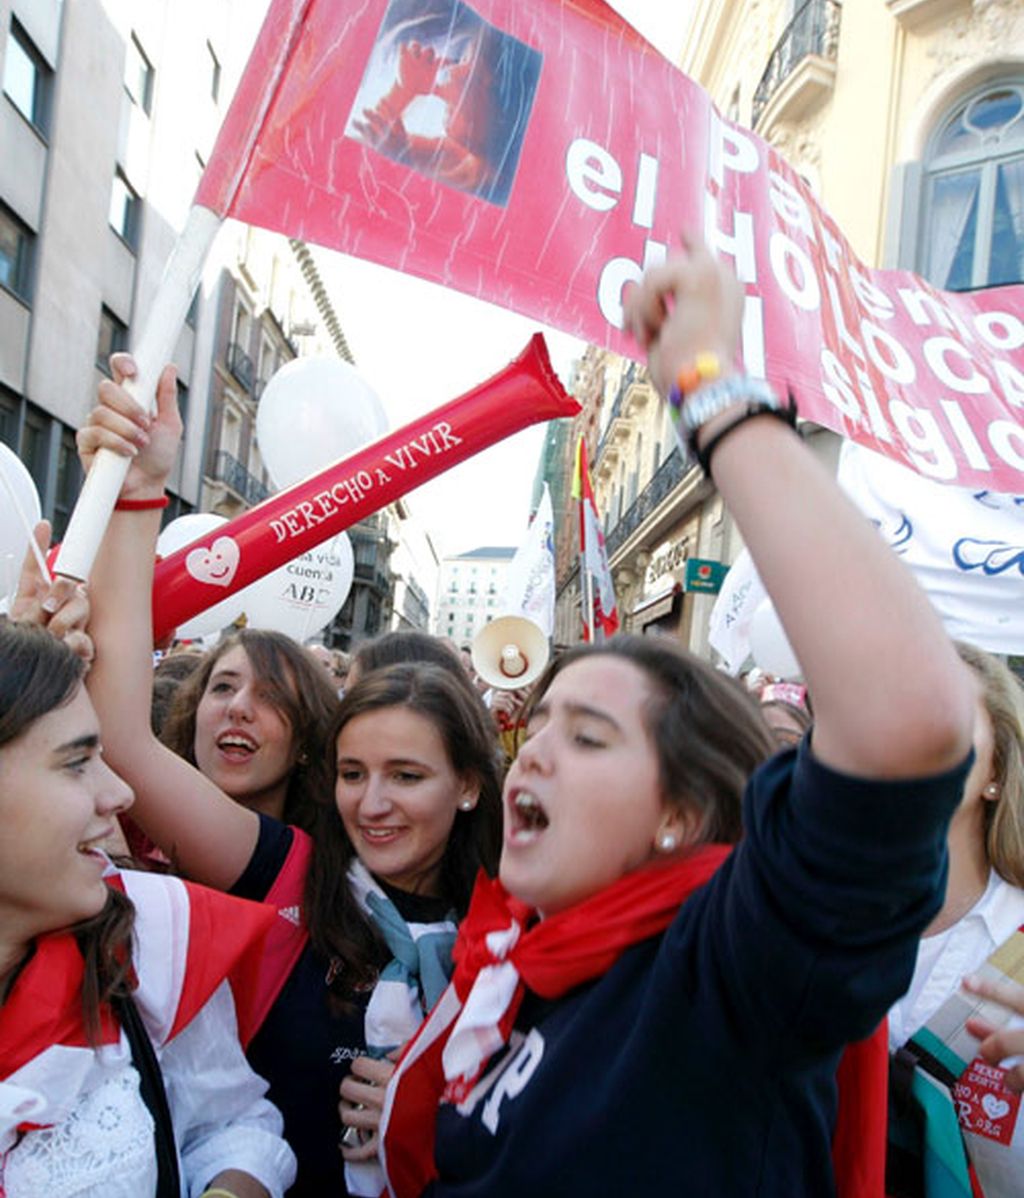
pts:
[229, 470]
[814, 29]
[664, 480]
[241, 366]
[367, 572]
[629, 377]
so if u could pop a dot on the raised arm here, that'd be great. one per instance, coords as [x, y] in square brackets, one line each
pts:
[891, 698]
[209, 836]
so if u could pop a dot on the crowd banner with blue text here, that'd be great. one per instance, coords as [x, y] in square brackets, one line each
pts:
[964, 545]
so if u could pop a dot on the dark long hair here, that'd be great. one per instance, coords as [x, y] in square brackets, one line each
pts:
[39, 674]
[297, 687]
[339, 929]
[706, 731]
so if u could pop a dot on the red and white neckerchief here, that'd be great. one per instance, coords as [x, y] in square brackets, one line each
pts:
[501, 951]
[188, 940]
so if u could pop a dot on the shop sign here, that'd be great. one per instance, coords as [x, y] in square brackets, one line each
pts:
[704, 575]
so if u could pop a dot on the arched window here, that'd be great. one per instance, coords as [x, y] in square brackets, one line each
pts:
[972, 234]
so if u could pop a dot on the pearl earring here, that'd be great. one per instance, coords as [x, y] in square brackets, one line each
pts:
[466, 805]
[992, 790]
[667, 842]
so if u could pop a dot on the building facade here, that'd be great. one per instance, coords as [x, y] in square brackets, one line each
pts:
[469, 592]
[414, 570]
[904, 115]
[108, 114]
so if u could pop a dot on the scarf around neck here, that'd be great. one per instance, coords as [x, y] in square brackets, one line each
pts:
[187, 941]
[501, 951]
[408, 986]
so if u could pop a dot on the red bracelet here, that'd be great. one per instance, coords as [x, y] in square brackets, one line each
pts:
[141, 505]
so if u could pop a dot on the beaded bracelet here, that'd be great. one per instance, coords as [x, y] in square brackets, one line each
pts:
[706, 368]
[141, 505]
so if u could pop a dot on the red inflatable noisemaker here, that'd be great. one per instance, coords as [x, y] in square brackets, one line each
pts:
[198, 575]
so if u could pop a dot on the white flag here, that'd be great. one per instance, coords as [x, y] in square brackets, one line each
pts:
[732, 616]
[530, 580]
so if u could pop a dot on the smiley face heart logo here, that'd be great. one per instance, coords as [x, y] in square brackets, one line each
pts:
[216, 565]
[995, 1107]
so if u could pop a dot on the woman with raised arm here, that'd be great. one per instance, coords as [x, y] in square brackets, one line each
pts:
[367, 899]
[645, 993]
[121, 1074]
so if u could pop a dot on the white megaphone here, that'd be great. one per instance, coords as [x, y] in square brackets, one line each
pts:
[510, 652]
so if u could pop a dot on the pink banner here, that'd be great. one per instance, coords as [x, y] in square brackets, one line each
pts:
[275, 532]
[540, 154]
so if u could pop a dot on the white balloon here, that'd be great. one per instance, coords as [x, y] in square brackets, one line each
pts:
[19, 505]
[769, 645]
[303, 596]
[179, 533]
[313, 412]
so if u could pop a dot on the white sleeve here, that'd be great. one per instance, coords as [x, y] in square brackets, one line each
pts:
[221, 1119]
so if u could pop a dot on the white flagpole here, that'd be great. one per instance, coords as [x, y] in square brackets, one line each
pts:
[152, 351]
[587, 598]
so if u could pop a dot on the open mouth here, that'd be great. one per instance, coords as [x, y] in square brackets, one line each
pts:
[528, 818]
[237, 746]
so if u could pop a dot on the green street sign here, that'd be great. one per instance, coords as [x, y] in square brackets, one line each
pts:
[704, 575]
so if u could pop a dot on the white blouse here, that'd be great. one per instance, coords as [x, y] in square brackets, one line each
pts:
[93, 1134]
[944, 959]
[104, 1147]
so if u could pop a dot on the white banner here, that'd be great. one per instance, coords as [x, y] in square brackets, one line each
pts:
[965, 547]
[530, 580]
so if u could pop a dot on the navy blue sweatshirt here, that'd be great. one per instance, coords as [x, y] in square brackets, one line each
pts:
[702, 1064]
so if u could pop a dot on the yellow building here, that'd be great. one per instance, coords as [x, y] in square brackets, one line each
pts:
[906, 116]
[907, 119]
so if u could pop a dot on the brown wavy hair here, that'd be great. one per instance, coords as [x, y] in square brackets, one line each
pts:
[339, 929]
[299, 690]
[39, 674]
[706, 731]
[1003, 697]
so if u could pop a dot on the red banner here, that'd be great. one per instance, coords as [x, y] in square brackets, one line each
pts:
[304, 516]
[540, 154]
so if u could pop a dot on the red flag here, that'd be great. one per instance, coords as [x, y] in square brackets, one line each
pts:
[540, 154]
[603, 619]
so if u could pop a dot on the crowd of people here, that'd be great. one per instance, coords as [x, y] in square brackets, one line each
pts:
[276, 920]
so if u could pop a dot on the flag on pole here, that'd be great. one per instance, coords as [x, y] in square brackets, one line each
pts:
[603, 620]
[540, 155]
[530, 578]
[732, 616]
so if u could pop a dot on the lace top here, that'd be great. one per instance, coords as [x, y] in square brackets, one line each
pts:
[73, 1123]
